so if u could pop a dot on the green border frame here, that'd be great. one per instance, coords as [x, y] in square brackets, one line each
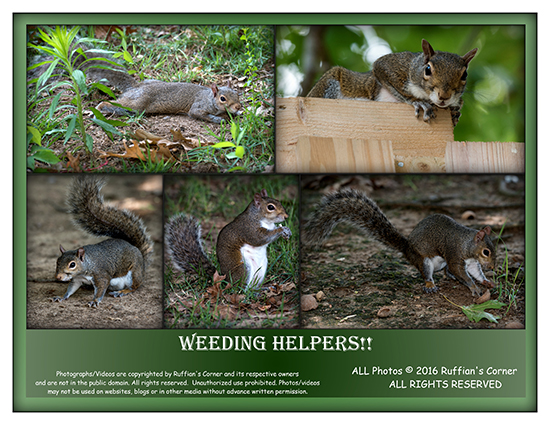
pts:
[20, 333]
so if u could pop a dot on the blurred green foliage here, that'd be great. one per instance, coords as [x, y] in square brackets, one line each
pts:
[494, 102]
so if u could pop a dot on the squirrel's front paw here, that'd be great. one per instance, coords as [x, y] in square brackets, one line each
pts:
[286, 233]
[93, 304]
[429, 111]
[58, 299]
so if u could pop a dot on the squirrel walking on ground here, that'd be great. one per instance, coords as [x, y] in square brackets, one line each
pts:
[118, 263]
[210, 104]
[437, 242]
[241, 247]
[424, 80]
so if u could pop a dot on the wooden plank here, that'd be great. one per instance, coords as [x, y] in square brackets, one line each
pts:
[328, 155]
[300, 119]
[419, 164]
[485, 157]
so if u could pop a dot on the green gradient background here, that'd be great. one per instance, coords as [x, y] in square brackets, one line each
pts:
[39, 353]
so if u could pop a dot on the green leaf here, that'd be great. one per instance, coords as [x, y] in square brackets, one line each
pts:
[128, 57]
[239, 152]
[45, 155]
[476, 312]
[70, 128]
[102, 118]
[89, 142]
[36, 136]
[106, 126]
[53, 106]
[224, 145]
[104, 89]
[46, 75]
[80, 80]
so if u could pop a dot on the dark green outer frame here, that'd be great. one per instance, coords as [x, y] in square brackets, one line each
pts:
[38, 353]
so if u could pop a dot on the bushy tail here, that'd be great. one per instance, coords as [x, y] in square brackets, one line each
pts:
[183, 242]
[358, 210]
[90, 213]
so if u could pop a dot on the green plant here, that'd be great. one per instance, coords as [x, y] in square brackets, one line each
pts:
[65, 55]
[37, 151]
[237, 154]
[508, 282]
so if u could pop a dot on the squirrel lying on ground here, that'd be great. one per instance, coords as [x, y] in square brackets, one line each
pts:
[423, 80]
[241, 247]
[158, 97]
[118, 263]
[437, 242]
[210, 104]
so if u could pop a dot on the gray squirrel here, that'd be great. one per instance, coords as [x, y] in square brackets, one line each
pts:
[427, 80]
[437, 242]
[118, 263]
[241, 247]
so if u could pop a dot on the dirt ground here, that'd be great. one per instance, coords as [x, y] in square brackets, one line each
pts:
[362, 283]
[48, 226]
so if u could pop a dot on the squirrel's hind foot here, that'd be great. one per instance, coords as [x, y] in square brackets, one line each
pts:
[430, 288]
[118, 294]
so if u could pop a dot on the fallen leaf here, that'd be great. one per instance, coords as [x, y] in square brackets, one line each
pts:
[73, 162]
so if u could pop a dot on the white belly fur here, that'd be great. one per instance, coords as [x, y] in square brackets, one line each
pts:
[255, 260]
[119, 283]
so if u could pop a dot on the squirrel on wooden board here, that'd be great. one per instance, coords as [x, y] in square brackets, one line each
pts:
[437, 242]
[210, 104]
[118, 263]
[241, 247]
[424, 80]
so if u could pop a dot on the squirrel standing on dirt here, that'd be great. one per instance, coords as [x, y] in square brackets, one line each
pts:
[423, 80]
[241, 247]
[118, 263]
[437, 242]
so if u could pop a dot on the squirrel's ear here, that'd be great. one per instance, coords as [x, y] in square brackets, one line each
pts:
[257, 199]
[80, 254]
[486, 231]
[264, 193]
[61, 249]
[214, 88]
[469, 56]
[428, 51]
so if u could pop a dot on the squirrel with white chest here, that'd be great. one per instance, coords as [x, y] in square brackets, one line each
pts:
[437, 242]
[241, 247]
[427, 80]
[118, 263]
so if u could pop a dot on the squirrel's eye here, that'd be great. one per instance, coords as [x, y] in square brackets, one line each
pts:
[223, 99]
[464, 75]
[72, 265]
[428, 71]
[486, 253]
[271, 207]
